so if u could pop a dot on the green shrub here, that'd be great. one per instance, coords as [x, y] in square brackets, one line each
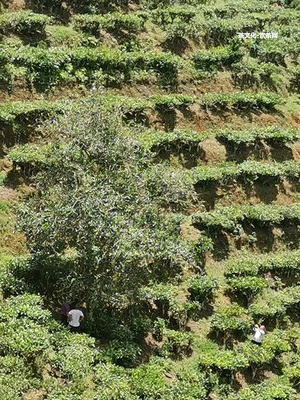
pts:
[47, 68]
[16, 377]
[122, 353]
[247, 286]
[112, 383]
[215, 58]
[285, 263]
[23, 23]
[114, 22]
[148, 380]
[274, 389]
[74, 356]
[176, 343]
[66, 36]
[230, 217]
[202, 288]
[231, 319]
[157, 140]
[275, 303]
[212, 358]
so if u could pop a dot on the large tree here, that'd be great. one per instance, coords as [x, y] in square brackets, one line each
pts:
[98, 226]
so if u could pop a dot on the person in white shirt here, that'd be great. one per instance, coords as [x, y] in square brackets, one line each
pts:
[259, 334]
[75, 316]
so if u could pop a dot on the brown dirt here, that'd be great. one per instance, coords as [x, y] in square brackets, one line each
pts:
[8, 194]
[21, 92]
[34, 395]
[213, 151]
[109, 39]
[240, 152]
[268, 239]
[241, 380]
[13, 243]
[222, 83]
[295, 121]
[5, 165]
[189, 232]
[261, 191]
[16, 5]
[295, 147]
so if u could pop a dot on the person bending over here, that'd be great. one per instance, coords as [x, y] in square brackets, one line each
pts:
[75, 316]
[259, 334]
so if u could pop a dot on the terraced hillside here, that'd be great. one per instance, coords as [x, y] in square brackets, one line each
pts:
[217, 116]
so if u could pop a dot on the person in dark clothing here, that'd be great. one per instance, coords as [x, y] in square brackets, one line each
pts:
[65, 308]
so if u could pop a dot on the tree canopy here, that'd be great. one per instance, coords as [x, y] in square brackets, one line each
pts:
[96, 226]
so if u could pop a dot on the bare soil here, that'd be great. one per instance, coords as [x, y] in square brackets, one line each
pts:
[213, 151]
[8, 193]
[261, 239]
[16, 5]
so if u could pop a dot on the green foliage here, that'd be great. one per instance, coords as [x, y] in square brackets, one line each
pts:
[64, 9]
[215, 58]
[292, 370]
[104, 213]
[248, 170]
[160, 178]
[23, 23]
[122, 353]
[112, 383]
[46, 69]
[100, 225]
[230, 217]
[275, 303]
[295, 78]
[245, 355]
[277, 51]
[148, 380]
[168, 306]
[114, 22]
[74, 357]
[32, 154]
[231, 9]
[66, 36]
[170, 187]
[247, 285]
[156, 140]
[233, 318]
[16, 377]
[165, 16]
[273, 389]
[11, 112]
[170, 102]
[176, 343]
[294, 4]
[14, 112]
[202, 288]
[242, 100]
[282, 263]
[251, 72]
[13, 281]
[217, 360]
[21, 326]
[158, 4]
[221, 30]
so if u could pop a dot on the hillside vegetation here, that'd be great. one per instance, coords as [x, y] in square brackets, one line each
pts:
[149, 167]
